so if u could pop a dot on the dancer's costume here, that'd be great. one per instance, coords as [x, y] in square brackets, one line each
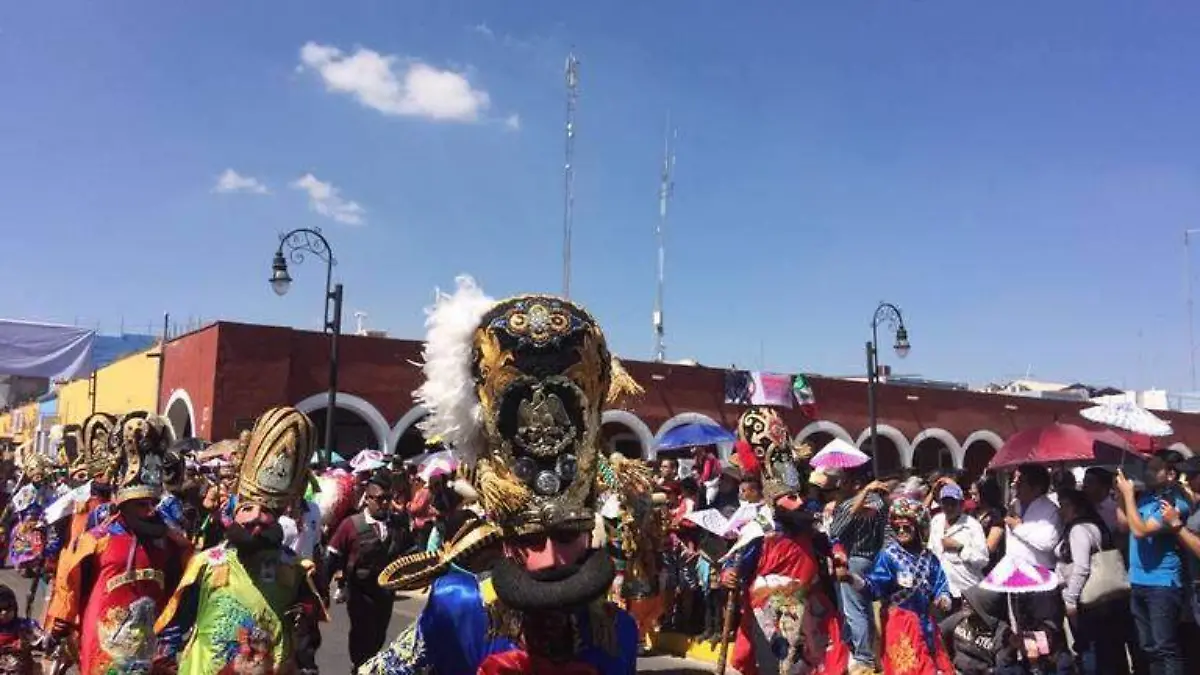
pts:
[114, 579]
[518, 387]
[237, 612]
[18, 637]
[911, 580]
[789, 624]
[97, 460]
[636, 532]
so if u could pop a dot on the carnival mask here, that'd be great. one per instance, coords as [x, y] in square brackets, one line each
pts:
[542, 372]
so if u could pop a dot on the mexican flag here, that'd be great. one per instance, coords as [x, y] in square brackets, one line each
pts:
[804, 396]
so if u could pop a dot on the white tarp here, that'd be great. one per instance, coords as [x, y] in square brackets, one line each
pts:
[45, 350]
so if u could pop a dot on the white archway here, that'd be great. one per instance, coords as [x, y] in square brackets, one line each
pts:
[957, 452]
[903, 447]
[634, 424]
[1182, 449]
[178, 405]
[723, 449]
[990, 437]
[415, 414]
[824, 426]
[354, 404]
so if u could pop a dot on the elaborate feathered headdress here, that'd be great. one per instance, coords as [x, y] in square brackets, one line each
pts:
[275, 471]
[141, 438]
[765, 444]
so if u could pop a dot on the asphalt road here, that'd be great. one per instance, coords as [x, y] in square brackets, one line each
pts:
[334, 657]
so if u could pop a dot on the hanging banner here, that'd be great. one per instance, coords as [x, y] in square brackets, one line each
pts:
[758, 388]
[45, 350]
[805, 397]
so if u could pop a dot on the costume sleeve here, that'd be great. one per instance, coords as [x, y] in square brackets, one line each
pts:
[179, 616]
[66, 601]
[405, 656]
[745, 561]
[882, 577]
[939, 583]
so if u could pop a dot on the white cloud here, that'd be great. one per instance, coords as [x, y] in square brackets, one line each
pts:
[327, 200]
[482, 29]
[513, 122]
[395, 86]
[231, 181]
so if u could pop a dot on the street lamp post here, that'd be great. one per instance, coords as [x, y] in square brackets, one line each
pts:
[889, 314]
[297, 243]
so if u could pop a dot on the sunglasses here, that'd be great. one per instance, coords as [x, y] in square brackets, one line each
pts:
[376, 498]
[904, 528]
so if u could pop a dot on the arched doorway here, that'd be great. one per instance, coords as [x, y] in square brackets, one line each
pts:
[358, 425]
[818, 433]
[978, 450]
[622, 431]
[892, 447]
[180, 413]
[406, 438]
[934, 450]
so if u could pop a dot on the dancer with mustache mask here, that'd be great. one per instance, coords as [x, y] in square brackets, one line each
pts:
[249, 606]
[517, 387]
[114, 578]
[789, 624]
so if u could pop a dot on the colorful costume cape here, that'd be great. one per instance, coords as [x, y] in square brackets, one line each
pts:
[788, 618]
[111, 586]
[237, 618]
[458, 633]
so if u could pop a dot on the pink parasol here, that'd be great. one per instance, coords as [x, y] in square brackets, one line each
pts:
[1012, 575]
[838, 454]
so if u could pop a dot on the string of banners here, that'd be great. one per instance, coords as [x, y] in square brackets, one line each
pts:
[752, 387]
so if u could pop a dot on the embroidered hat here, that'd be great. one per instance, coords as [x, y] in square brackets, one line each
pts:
[274, 471]
[765, 434]
[141, 440]
[517, 386]
[98, 454]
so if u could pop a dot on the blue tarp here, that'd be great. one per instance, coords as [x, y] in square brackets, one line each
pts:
[45, 350]
[109, 348]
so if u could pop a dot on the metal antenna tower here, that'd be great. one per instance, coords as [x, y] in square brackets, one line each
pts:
[665, 191]
[571, 75]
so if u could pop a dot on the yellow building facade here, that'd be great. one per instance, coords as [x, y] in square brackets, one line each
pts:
[122, 386]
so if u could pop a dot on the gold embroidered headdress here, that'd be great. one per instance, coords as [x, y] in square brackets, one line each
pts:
[516, 387]
[141, 439]
[275, 470]
[99, 456]
[766, 434]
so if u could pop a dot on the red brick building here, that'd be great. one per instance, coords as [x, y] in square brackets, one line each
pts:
[218, 379]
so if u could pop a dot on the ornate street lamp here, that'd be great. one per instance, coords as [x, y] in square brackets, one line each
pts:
[888, 314]
[297, 243]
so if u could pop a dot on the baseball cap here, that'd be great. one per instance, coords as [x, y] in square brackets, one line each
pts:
[951, 491]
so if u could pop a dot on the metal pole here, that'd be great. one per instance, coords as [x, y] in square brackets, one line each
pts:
[162, 359]
[1191, 306]
[572, 81]
[871, 420]
[335, 329]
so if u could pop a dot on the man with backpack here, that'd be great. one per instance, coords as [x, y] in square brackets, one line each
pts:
[360, 548]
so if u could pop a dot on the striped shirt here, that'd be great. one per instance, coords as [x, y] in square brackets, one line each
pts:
[860, 533]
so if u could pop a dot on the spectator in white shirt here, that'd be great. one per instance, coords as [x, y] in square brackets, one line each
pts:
[1035, 527]
[958, 542]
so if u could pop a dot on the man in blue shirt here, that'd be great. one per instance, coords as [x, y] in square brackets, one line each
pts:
[1155, 565]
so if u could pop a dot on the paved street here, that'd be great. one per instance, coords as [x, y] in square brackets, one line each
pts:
[333, 656]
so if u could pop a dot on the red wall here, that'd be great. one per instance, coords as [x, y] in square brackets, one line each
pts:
[190, 365]
[256, 367]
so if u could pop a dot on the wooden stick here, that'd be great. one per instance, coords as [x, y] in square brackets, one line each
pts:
[727, 626]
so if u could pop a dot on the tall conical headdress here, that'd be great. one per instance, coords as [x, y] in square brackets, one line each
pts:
[141, 438]
[275, 471]
[99, 456]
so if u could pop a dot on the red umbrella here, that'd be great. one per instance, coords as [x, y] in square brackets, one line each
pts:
[1061, 444]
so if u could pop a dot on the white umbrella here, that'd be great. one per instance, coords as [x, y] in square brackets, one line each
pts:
[1128, 416]
[367, 460]
[437, 464]
[838, 454]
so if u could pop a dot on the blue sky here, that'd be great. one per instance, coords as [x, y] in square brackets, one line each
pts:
[1015, 175]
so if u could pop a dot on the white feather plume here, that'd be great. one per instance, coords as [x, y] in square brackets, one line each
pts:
[449, 389]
